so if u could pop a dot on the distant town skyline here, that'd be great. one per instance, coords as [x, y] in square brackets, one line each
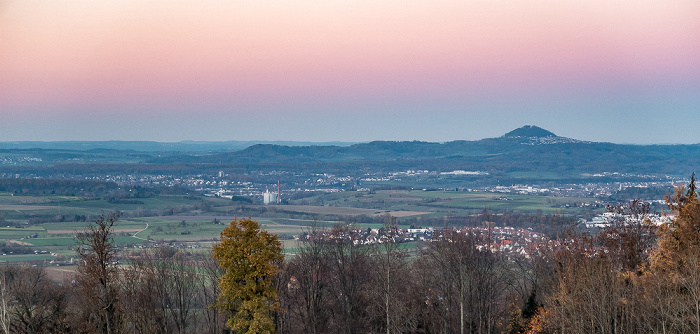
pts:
[352, 71]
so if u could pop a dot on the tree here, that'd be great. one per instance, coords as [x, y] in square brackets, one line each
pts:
[250, 258]
[630, 235]
[30, 302]
[141, 301]
[209, 287]
[391, 307]
[677, 257]
[161, 292]
[306, 295]
[468, 287]
[350, 265]
[98, 275]
[5, 304]
[177, 282]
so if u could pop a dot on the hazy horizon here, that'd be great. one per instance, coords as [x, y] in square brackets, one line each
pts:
[282, 142]
[348, 71]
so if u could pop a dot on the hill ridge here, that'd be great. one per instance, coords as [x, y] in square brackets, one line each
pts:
[529, 131]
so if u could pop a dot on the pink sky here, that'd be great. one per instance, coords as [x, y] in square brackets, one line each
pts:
[84, 59]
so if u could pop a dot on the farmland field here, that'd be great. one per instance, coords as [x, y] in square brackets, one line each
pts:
[50, 223]
[438, 203]
[25, 207]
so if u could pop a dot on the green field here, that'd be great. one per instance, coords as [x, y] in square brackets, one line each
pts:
[439, 203]
[25, 257]
[47, 223]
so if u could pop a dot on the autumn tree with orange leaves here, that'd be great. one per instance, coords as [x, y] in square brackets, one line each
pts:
[677, 259]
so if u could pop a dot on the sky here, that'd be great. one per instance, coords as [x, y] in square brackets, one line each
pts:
[349, 70]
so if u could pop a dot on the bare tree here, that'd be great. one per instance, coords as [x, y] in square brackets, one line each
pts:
[349, 264]
[177, 278]
[98, 276]
[5, 303]
[391, 297]
[166, 284]
[141, 300]
[31, 302]
[630, 235]
[468, 283]
[208, 285]
[306, 281]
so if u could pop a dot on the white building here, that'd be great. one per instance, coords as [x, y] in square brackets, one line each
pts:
[269, 197]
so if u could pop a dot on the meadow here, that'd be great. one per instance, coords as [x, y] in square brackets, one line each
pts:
[48, 224]
[439, 203]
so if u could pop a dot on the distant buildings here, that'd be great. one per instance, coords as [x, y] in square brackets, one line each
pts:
[609, 219]
[269, 197]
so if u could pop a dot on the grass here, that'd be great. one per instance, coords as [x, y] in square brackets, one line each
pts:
[20, 229]
[204, 231]
[438, 203]
[25, 257]
[13, 233]
[69, 241]
[60, 241]
[7, 198]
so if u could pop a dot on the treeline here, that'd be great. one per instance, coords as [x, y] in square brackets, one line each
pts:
[164, 290]
[85, 188]
[335, 286]
[56, 187]
[629, 278]
[545, 223]
[642, 193]
[158, 292]
[331, 286]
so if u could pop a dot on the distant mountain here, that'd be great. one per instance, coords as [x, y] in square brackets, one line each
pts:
[534, 135]
[527, 152]
[153, 146]
[529, 131]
